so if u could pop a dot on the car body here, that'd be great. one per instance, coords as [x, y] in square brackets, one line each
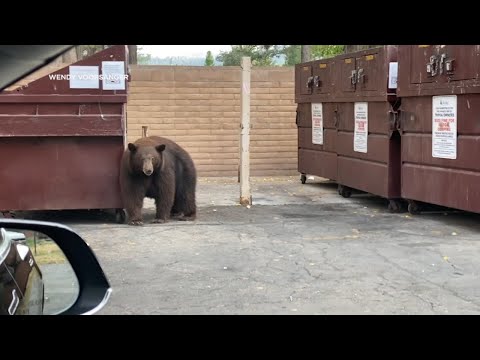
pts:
[21, 282]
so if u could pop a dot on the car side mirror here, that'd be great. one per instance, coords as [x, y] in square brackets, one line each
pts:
[48, 269]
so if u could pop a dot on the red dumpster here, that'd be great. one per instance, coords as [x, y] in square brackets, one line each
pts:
[368, 145]
[440, 90]
[62, 137]
[315, 119]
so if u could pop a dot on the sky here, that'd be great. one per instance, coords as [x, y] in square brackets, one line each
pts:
[163, 51]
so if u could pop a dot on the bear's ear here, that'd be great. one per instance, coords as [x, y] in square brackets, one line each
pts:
[160, 148]
[132, 147]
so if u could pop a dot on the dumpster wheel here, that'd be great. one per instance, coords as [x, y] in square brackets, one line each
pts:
[8, 214]
[394, 206]
[344, 191]
[413, 208]
[120, 216]
[303, 178]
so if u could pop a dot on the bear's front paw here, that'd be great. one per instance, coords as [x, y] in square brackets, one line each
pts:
[159, 221]
[136, 223]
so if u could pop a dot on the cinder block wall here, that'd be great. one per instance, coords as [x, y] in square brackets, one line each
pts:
[199, 107]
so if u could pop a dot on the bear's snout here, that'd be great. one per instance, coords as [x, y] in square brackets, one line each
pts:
[148, 172]
[148, 166]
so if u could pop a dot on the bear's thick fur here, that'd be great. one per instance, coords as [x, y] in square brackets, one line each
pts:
[158, 168]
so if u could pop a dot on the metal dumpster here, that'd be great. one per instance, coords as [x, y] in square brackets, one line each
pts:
[62, 137]
[315, 119]
[367, 144]
[440, 90]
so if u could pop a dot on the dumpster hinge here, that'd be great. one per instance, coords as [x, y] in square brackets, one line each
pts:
[393, 117]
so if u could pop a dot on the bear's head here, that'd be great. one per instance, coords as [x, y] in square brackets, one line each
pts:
[146, 159]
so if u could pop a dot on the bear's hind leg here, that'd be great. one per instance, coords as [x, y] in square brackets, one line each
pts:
[188, 205]
[175, 213]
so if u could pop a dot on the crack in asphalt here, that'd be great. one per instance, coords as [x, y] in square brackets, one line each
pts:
[414, 275]
[428, 302]
[323, 253]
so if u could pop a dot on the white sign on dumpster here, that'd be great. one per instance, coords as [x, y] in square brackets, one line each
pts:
[392, 75]
[83, 77]
[360, 135]
[113, 75]
[317, 124]
[444, 127]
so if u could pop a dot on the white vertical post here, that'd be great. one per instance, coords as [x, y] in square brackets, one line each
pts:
[245, 195]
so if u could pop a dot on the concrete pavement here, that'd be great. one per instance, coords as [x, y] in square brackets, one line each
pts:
[300, 249]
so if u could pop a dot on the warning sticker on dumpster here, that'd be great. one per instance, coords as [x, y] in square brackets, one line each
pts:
[444, 127]
[317, 124]
[360, 135]
[113, 75]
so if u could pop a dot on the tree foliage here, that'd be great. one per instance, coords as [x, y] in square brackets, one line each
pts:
[209, 60]
[261, 55]
[326, 51]
[354, 48]
[293, 54]
[142, 58]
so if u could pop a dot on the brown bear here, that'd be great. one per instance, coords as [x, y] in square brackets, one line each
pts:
[158, 168]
